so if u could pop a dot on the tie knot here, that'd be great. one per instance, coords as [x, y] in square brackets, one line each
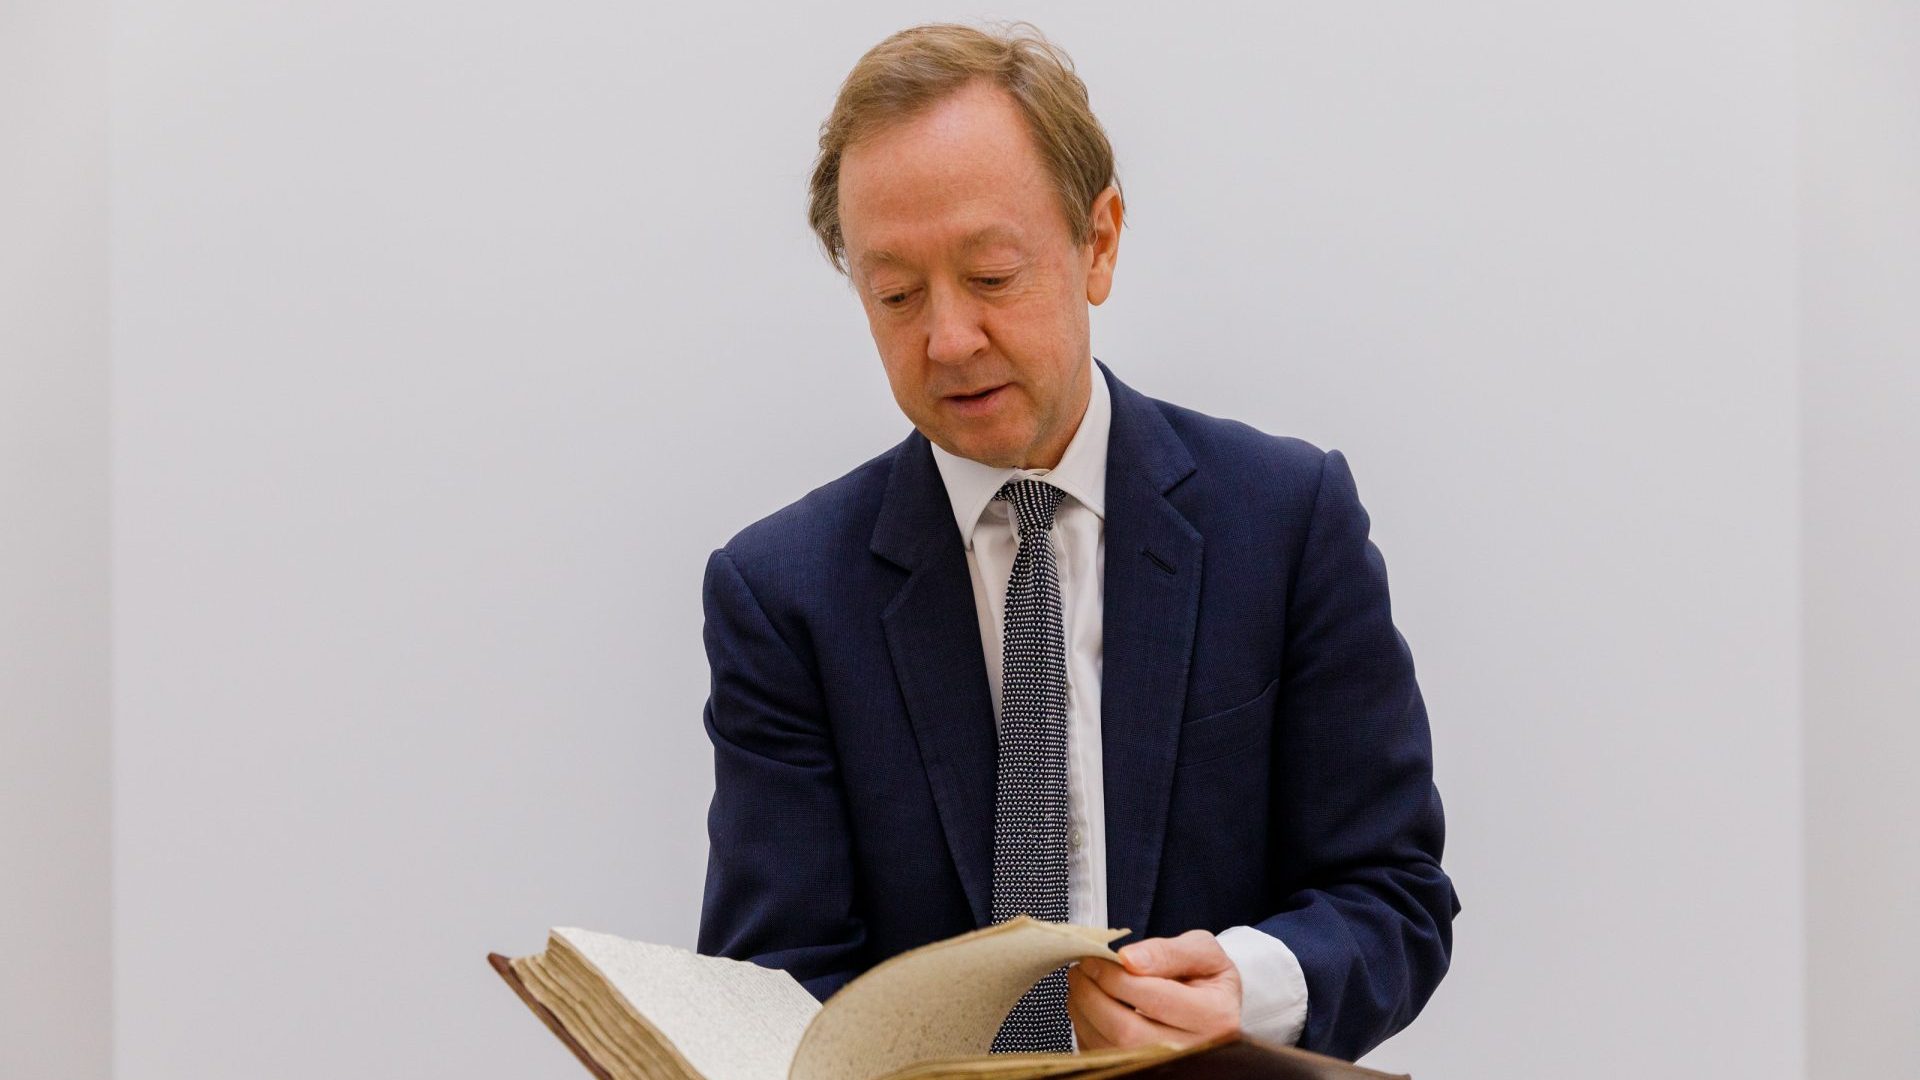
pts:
[1033, 503]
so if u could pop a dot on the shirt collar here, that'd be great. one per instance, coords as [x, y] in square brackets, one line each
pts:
[1082, 472]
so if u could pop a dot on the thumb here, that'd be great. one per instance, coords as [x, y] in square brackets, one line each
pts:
[1147, 957]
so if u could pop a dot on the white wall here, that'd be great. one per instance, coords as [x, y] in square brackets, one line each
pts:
[450, 337]
[1860, 377]
[55, 863]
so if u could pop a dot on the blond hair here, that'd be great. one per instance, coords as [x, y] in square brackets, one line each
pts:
[920, 66]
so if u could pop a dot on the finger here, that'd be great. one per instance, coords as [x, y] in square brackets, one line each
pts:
[1205, 1009]
[1118, 1024]
[1085, 1034]
[1193, 954]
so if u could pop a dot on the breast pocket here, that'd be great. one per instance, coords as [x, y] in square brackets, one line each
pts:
[1241, 729]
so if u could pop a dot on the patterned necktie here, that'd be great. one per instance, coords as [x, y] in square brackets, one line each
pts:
[1030, 795]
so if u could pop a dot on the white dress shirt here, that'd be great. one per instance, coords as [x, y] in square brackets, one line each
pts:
[1273, 1002]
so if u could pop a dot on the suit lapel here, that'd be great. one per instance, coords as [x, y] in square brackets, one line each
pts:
[1151, 604]
[933, 636]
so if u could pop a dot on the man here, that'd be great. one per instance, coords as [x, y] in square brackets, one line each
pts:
[1065, 650]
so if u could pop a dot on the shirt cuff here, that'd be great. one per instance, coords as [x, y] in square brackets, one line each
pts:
[1273, 989]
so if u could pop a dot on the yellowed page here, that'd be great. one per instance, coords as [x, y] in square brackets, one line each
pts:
[729, 1019]
[634, 1043]
[1030, 1066]
[944, 1000]
[597, 1024]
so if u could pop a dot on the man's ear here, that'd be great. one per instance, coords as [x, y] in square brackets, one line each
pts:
[1103, 245]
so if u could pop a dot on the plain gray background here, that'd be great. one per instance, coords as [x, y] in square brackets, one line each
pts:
[377, 377]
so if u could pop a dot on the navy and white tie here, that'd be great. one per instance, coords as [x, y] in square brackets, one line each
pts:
[1030, 794]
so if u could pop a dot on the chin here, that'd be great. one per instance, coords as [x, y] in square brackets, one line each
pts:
[988, 447]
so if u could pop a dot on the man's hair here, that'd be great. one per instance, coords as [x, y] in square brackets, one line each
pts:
[922, 65]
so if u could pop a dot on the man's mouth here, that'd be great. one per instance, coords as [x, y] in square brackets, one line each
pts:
[977, 395]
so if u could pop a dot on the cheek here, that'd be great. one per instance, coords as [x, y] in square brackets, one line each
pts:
[906, 375]
[898, 340]
[1047, 318]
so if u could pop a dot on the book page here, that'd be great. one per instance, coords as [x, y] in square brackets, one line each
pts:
[730, 1019]
[598, 1026]
[943, 1000]
[1034, 1066]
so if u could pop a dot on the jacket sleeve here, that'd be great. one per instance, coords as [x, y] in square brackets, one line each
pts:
[780, 884]
[1358, 818]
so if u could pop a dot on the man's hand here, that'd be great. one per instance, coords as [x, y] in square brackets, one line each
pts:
[1180, 990]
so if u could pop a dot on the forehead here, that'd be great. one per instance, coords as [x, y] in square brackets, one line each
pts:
[984, 237]
[962, 175]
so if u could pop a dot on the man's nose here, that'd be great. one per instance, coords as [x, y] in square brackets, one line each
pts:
[954, 333]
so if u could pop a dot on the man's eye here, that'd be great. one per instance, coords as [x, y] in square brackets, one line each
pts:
[894, 299]
[991, 282]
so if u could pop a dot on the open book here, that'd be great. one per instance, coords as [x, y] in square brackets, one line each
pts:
[634, 1011]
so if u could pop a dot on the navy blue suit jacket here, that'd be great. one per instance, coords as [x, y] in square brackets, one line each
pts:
[1266, 753]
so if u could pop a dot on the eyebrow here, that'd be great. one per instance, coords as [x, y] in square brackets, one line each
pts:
[977, 238]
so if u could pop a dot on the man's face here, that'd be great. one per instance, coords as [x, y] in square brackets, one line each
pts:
[974, 290]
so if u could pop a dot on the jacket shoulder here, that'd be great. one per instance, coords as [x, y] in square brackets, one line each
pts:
[1242, 455]
[799, 542]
